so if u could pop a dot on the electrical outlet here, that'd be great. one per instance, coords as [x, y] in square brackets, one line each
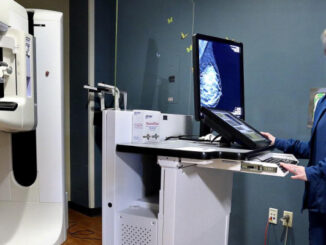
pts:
[272, 215]
[290, 222]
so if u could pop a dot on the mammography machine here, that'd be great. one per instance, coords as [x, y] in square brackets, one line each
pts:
[33, 208]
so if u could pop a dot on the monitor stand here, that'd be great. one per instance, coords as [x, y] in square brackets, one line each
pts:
[224, 142]
[204, 130]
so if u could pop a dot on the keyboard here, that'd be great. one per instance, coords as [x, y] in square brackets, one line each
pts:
[268, 162]
[279, 160]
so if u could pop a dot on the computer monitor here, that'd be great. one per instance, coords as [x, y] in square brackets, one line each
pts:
[218, 75]
[232, 129]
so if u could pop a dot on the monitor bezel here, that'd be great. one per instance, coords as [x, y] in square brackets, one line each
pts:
[196, 71]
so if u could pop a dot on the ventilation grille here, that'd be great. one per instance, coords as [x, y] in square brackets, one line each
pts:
[135, 235]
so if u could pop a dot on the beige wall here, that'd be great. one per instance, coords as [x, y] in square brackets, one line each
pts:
[61, 6]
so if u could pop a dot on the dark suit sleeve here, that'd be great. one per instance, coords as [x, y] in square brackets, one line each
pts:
[317, 171]
[300, 149]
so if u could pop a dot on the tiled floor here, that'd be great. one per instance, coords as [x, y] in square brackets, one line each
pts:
[84, 230]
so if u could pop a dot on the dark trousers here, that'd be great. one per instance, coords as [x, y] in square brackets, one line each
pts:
[317, 228]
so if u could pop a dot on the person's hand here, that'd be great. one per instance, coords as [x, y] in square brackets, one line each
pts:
[269, 136]
[298, 172]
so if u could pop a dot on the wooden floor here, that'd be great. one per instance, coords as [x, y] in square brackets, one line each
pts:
[84, 230]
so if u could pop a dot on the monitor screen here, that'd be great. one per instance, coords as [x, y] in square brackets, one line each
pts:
[239, 126]
[218, 75]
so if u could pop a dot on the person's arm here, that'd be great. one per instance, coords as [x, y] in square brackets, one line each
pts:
[312, 173]
[299, 172]
[300, 149]
[317, 171]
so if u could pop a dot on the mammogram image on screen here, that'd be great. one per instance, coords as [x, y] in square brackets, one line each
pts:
[210, 79]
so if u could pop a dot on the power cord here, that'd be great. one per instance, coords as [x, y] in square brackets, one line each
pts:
[286, 219]
[211, 139]
[266, 232]
[286, 235]
[215, 138]
[187, 137]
